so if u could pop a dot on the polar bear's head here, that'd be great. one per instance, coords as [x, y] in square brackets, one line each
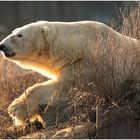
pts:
[26, 42]
[28, 46]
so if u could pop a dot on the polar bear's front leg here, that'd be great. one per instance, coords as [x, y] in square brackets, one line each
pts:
[27, 105]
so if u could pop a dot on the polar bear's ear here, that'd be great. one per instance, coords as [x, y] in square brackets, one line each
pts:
[45, 30]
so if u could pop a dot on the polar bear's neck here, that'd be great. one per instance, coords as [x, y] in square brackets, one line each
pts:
[38, 67]
[54, 69]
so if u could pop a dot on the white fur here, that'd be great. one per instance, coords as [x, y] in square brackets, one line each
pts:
[70, 53]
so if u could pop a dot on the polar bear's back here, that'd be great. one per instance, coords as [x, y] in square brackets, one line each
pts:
[86, 31]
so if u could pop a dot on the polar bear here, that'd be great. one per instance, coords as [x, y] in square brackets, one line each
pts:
[74, 55]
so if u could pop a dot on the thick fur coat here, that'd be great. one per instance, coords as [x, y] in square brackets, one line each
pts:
[75, 55]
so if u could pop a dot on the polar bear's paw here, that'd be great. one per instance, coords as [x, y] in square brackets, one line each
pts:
[18, 112]
[21, 116]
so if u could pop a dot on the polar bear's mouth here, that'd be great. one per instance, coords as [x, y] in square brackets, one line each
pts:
[9, 54]
[7, 51]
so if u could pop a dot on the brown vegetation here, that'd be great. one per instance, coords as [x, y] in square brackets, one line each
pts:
[13, 83]
[14, 80]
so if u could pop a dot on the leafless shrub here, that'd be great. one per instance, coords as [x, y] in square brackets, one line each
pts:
[81, 104]
[130, 15]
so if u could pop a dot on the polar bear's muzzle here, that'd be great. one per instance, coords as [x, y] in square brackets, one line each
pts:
[7, 51]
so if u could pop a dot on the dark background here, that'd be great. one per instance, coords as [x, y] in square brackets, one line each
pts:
[17, 13]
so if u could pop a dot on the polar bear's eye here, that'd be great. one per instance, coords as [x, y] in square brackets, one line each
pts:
[19, 35]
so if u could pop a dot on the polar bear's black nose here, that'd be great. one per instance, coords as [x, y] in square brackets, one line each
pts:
[2, 47]
[7, 50]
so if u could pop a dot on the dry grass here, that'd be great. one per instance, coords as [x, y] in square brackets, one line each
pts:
[15, 80]
[13, 83]
[121, 89]
[131, 17]
[119, 66]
